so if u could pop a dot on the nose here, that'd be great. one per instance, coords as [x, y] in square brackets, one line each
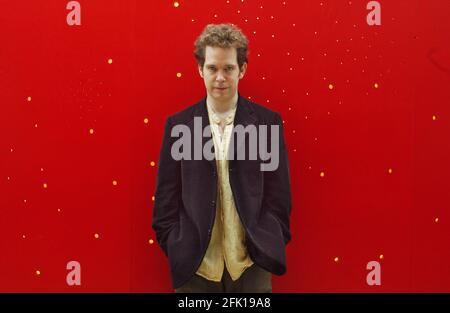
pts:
[220, 77]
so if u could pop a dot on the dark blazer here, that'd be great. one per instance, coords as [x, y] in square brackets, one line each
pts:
[186, 193]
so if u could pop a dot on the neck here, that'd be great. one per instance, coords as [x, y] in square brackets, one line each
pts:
[222, 106]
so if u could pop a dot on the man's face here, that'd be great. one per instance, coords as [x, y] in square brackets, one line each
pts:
[221, 73]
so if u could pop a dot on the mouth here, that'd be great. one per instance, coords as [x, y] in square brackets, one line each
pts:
[220, 88]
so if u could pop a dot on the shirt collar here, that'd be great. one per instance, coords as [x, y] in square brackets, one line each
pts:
[215, 118]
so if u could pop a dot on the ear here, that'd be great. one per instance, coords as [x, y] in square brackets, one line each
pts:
[200, 71]
[243, 70]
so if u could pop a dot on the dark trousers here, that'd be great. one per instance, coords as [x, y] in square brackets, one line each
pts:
[254, 280]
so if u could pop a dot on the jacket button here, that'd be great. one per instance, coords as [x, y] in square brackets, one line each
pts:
[213, 203]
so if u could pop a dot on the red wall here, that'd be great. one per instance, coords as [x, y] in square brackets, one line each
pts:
[353, 133]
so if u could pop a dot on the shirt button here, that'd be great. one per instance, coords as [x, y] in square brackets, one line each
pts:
[213, 203]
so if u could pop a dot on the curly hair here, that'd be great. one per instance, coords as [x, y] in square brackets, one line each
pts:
[223, 36]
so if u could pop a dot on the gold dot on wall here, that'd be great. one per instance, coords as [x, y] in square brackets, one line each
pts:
[150, 241]
[330, 86]
[153, 198]
[44, 185]
[436, 220]
[176, 4]
[114, 182]
[146, 120]
[322, 174]
[178, 74]
[110, 61]
[381, 257]
[336, 259]
[376, 85]
[390, 171]
[96, 236]
[28, 99]
[91, 131]
[152, 163]
[38, 272]
[434, 117]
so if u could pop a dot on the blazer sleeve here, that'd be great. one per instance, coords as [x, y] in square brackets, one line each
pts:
[277, 186]
[168, 191]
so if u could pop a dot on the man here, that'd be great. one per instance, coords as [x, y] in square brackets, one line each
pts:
[223, 221]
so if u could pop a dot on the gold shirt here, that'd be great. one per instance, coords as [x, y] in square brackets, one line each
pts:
[227, 244]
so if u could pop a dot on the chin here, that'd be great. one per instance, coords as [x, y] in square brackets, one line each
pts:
[218, 94]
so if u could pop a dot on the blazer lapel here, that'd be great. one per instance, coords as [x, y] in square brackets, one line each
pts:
[201, 112]
[244, 116]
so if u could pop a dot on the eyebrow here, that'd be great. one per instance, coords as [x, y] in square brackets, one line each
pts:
[226, 65]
